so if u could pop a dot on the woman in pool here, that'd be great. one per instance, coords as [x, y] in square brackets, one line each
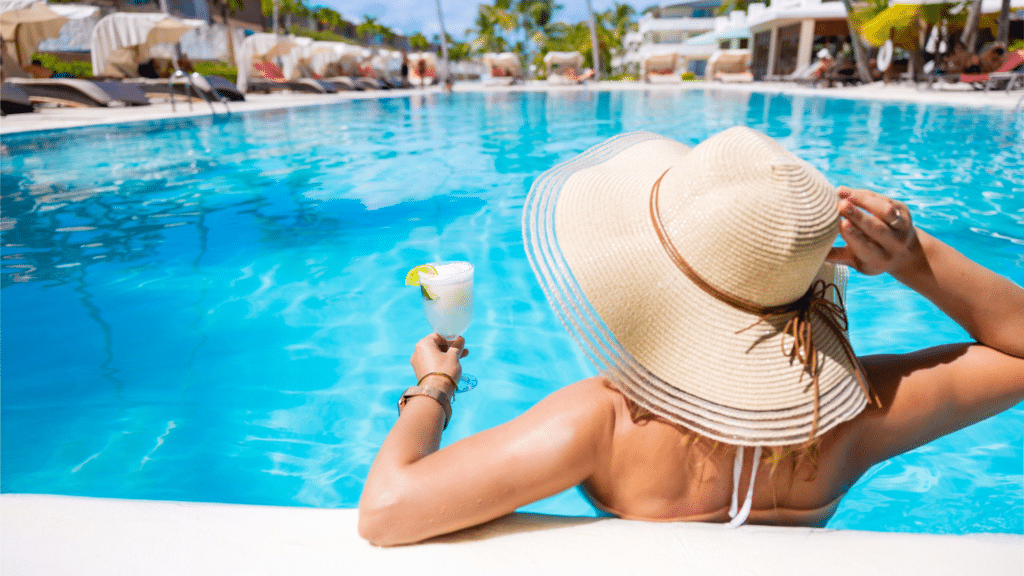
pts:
[702, 284]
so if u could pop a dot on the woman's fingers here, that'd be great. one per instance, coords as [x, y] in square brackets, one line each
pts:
[841, 255]
[867, 256]
[456, 346]
[877, 230]
[894, 214]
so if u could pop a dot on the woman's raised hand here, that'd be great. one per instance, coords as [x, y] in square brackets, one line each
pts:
[436, 354]
[879, 233]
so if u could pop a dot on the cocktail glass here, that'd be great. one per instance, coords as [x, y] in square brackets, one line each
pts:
[448, 303]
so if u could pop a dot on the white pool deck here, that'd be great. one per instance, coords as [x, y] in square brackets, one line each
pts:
[56, 535]
[56, 118]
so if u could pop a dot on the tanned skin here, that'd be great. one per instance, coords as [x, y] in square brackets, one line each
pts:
[583, 434]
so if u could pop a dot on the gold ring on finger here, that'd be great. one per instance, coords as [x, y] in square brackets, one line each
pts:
[897, 218]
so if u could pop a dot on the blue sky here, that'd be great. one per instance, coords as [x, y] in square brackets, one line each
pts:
[408, 16]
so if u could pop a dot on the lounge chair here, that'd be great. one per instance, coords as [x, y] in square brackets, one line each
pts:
[13, 100]
[339, 83]
[1005, 75]
[801, 74]
[269, 78]
[729, 66]
[80, 93]
[197, 87]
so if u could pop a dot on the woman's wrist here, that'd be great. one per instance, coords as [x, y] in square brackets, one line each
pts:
[440, 380]
[914, 266]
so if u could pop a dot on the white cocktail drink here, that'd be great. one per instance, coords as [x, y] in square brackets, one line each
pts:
[450, 305]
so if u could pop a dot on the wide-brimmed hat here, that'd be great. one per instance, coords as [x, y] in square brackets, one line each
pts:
[695, 280]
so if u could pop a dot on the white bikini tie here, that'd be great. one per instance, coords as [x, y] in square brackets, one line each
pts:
[737, 469]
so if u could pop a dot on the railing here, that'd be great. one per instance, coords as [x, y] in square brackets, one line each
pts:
[201, 91]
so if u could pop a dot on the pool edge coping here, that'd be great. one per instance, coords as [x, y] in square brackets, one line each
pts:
[66, 534]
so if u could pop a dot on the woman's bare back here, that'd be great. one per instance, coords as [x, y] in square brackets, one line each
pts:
[657, 471]
[662, 472]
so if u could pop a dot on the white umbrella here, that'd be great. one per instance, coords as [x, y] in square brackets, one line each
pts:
[26, 27]
[264, 46]
[125, 38]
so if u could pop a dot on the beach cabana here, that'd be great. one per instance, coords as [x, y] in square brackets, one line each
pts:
[122, 40]
[729, 66]
[386, 66]
[661, 68]
[503, 68]
[430, 68]
[320, 60]
[259, 48]
[24, 27]
[563, 67]
[26, 23]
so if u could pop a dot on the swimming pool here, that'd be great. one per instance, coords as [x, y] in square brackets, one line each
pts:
[213, 310]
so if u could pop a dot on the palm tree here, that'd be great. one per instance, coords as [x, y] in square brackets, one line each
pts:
[489, 20]
[458, 51]
[418, 41]
[373, 31]
[328, 18]
[858, 47]
[970, 34]
[229, 8]
[1003, 35]
[533, 16]
[619, 19]
[563, 37]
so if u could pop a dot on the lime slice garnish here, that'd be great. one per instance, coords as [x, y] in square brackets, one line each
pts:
[427, 293]
[413, 277]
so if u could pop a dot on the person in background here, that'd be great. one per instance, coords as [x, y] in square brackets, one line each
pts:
[148, 69]
[37, 70]
[991, 57]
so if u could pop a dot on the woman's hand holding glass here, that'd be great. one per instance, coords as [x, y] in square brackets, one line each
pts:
[434, 353]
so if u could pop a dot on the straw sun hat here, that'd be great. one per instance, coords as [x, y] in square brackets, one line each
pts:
[691, 278]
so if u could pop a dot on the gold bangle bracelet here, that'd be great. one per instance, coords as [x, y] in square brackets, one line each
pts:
[450, 379]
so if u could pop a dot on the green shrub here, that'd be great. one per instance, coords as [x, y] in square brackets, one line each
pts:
[1015, 45]
[323, 36]
[222, 69]
[626, 77]
[689, 76]
[74, 69]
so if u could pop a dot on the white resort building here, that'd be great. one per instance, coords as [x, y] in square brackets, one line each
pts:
[688, 29]
[782, 37]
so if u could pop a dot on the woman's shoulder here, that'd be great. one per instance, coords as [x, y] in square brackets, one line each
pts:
[594, 397]
[929, 393]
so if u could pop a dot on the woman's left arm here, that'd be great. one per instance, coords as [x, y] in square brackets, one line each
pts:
[414, 492]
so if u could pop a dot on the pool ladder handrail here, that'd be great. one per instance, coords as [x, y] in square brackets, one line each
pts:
[192, 79]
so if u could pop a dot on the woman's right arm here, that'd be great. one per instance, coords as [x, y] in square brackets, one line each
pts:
[933, 392]
[987, 305]
[881, 237]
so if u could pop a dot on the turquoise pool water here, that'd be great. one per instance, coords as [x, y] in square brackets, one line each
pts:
[213, 310]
